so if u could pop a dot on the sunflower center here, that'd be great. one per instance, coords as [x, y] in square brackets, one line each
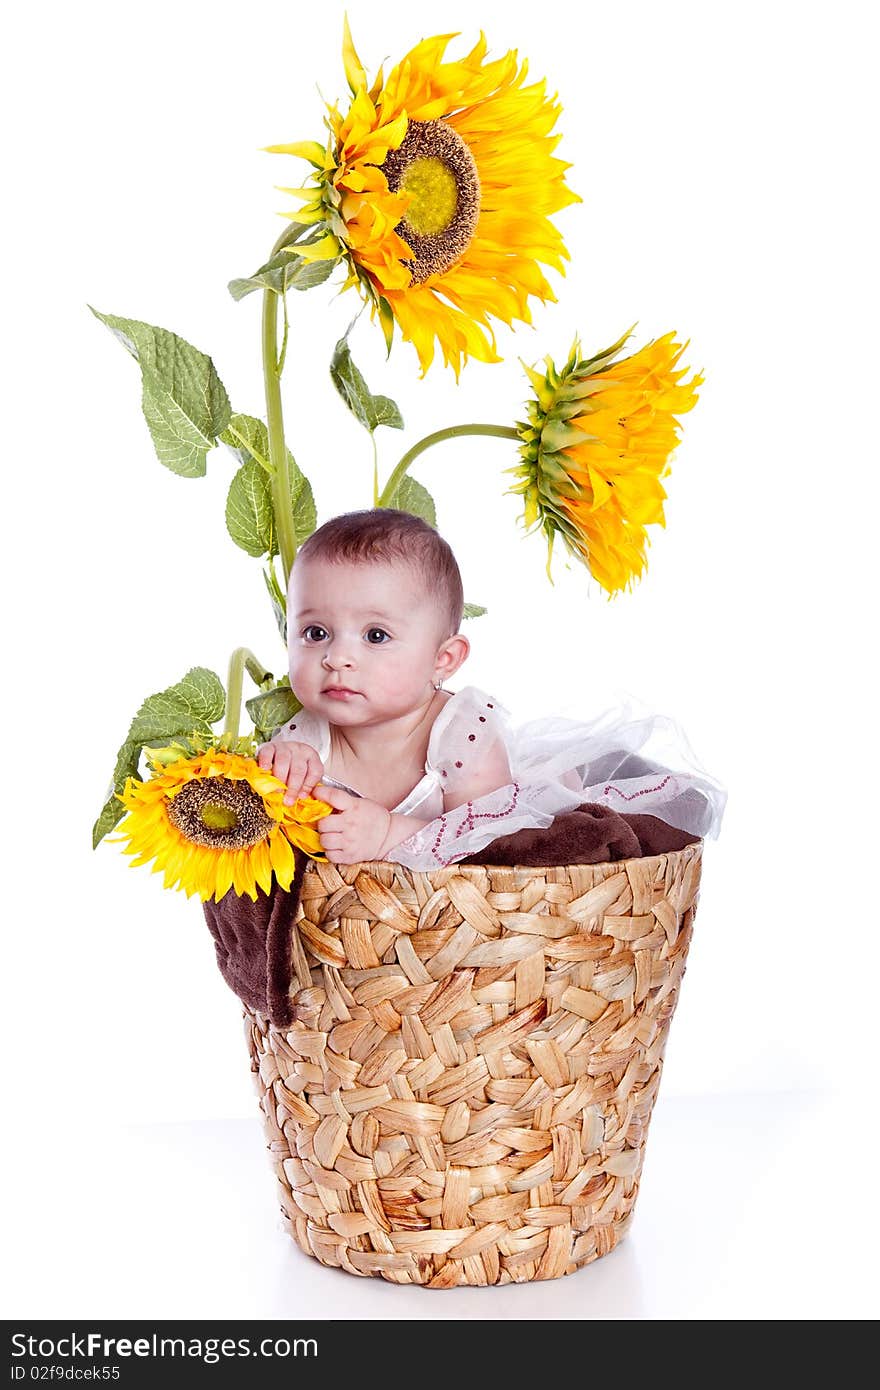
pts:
[436, 169]
[220, 813]
[434, 193]
[218, 817]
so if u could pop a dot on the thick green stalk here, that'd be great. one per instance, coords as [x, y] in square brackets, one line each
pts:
[272, 368]
[451, 432]
[242, 660]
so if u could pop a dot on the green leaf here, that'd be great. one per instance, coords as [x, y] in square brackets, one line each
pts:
[278, 602]
[248, 438]
[191, 704]
[387, 413]
[194, 703]
[184, 401]
[108, 820]
[272, 708]
[249, 516]
[302, 501]
[127, 760]
[285, 271]
[473, 610]
[372, 411]
[202, 693]
[178, 444]
[410, 496]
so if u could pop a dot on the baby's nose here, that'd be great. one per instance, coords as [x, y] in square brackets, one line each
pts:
[337, 655]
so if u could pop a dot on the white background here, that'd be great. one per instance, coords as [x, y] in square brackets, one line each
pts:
[725, 159]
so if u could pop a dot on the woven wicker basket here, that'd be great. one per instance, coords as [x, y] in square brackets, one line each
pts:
[464, 1094]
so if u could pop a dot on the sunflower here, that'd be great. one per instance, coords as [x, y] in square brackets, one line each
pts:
[597, 442]
[436, 187]
[218, 821]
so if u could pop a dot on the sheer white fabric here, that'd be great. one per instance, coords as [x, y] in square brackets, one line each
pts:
[624, 758]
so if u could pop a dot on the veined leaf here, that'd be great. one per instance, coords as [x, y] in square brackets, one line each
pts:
[248, 283]
[113, 810]
[285, 271]
[410, 496]
[184, 401]
[191, 704]
[179, 444]
[111, 814]
[250, 520]
[372, 411]
[202, 692]
[272, 708]
[302, 502]
[278, 602]
[473, 610]
[248, 438]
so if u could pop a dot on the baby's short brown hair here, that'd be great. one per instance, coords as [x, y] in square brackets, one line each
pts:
[385, 534]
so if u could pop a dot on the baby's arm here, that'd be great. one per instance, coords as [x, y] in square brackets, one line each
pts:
[297, 764]
[359, 829]
[400, 828]
[478, 777]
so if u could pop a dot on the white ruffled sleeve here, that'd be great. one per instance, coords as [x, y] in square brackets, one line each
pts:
[471, 736]
[471, 745]
[624, 758]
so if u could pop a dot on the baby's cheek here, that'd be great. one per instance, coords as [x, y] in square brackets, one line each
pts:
[401, 678]
[296, 664]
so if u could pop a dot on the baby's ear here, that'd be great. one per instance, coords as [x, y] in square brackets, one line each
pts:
[453, 653]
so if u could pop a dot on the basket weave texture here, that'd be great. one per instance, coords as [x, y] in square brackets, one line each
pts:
[464, 1093]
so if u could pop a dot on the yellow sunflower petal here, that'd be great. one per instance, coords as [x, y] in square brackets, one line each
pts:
[282, 859]
[302, 149]
[217, 822]
[325, 249]
[494, 134]
[354, 68]
[598, 440]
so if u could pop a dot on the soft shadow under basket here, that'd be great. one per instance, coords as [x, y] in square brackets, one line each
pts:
[462, 1092]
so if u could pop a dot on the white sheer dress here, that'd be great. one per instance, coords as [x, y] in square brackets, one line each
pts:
[621, 759]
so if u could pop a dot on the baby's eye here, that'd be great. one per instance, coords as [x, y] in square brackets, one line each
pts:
[379, 634]
[310, 631]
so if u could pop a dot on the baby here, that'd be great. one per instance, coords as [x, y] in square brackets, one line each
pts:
[374, 607]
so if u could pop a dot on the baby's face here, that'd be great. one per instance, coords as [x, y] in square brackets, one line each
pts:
[368, 628]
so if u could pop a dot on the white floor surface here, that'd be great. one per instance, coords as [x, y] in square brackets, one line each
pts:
[749, 1208]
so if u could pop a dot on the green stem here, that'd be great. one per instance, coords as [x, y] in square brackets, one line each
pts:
[242, 660]
[375, 469]
[272, 368]
[283, 353]
[451, 432]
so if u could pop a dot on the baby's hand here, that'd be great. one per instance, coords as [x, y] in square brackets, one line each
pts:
[297, 764]
[356, 831]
